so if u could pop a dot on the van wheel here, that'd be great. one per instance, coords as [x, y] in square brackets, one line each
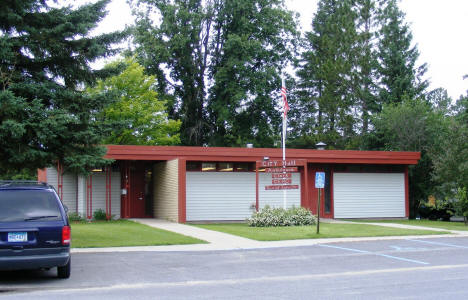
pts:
[64, 272]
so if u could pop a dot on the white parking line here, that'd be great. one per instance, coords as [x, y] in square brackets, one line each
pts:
[439, 243]
[378, 254]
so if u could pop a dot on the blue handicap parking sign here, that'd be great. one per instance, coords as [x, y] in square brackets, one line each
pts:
[319, 180]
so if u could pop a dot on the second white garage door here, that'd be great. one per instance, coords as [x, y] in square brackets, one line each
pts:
[369, 195]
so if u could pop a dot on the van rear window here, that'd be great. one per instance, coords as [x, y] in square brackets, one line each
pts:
[28, 205]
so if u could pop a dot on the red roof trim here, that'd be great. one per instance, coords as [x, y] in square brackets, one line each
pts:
[124, 152]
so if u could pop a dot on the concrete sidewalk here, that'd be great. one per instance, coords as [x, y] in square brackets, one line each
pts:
[210, 236]
[224, 241]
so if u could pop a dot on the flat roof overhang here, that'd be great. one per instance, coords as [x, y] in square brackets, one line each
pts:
[127, 152]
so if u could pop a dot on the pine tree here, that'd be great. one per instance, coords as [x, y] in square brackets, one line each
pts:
[365, 70]
[326, 71]
[399, 75]
[44, 63]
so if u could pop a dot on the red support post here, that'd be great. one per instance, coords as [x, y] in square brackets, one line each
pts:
[108, 193]
[256, 188]
[60, 180]
[306, 186]
[127, 187]
[332, 194]
[89, 197]
[182, 196]
[407, 208]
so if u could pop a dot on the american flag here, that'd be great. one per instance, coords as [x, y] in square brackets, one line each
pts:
[285, 99]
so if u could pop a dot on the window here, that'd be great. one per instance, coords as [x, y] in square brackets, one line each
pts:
[193, 166]
[370, 169]
[339, 168]
[242, 167]
[21, 205]
[354, 168]
[208, 167]
[225, 167]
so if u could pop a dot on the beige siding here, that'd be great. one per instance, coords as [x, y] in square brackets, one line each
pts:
[166, 190]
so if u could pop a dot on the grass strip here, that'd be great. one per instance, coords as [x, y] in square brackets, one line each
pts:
[327, 230]
[122, 233]
[424, 223]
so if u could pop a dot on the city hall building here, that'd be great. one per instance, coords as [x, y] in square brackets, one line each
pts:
[193, 184]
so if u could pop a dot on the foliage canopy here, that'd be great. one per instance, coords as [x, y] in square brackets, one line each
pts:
[137, 115]
[217, 64]
[44, 62]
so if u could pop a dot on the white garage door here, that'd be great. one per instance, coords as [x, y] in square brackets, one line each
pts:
[369, 195]
[230, 196]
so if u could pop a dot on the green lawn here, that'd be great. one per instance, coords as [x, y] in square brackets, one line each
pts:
[327, 230]
[426, 223]
[124, 233]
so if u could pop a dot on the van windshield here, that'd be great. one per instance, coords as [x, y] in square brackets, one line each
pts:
[28, 205]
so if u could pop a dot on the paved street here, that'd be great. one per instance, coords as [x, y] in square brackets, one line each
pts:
[407, 268]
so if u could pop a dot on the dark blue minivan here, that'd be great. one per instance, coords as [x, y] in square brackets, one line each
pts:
[34, 228]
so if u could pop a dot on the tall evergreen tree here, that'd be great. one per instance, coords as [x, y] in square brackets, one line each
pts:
[399, 74]
[218, 63]
[44, 61]
[365, 69]
[326, 71]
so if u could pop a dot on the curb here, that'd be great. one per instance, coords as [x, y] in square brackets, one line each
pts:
[256, 244]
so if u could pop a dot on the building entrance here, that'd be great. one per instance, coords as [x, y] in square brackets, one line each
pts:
[137, 187]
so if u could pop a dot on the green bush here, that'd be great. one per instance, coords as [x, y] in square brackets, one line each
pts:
[442, 210]
[75, 217]
[461, 206]
[99, 215]
[268, 217]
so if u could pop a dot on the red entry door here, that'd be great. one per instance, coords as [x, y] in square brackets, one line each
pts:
[137, 199]
[137, 193]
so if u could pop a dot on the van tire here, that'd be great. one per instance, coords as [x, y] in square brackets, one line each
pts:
[64, 272]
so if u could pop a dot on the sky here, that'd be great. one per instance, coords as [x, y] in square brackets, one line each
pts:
[439, 30]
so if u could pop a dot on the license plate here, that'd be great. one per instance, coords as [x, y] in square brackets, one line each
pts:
[15, 237]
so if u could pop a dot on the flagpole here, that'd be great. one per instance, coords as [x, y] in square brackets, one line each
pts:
[283, 92]
[284, 156]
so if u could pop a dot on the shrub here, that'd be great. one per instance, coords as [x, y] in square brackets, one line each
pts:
[99, 215]
[441, 210]
[461, 206]
[268, 217]
[75, 217]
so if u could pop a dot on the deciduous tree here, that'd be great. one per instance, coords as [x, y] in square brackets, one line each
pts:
[218, 63]
[138, 115]
[414, 125]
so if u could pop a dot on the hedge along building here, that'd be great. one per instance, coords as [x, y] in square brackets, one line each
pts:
[186, 184]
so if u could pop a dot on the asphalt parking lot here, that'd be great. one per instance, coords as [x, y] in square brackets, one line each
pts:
[407, 268]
